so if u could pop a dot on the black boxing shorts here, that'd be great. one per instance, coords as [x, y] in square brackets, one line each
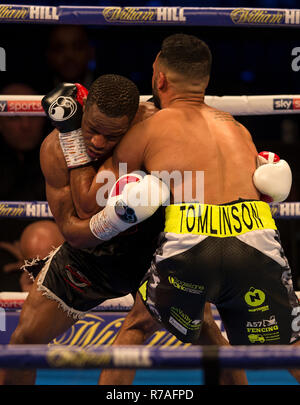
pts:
[79, 280]
[229, 255]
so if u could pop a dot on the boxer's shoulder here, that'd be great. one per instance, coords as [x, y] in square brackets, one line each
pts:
[50, 144]
[166, 117]
[156, 119]
[51, 149]
[164, 121]
[145, 111]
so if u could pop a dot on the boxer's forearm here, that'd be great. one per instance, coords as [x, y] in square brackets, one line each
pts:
[85, 183]
[84, 189]
[83, 179]
[77, 233]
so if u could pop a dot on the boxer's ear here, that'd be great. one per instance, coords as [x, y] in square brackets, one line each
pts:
[161, 81]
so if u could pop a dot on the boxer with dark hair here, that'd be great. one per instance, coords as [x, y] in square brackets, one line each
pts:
[187, 135]
[224, 249]
[84, 271]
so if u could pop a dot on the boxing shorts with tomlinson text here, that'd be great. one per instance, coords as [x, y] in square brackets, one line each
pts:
[229, 255]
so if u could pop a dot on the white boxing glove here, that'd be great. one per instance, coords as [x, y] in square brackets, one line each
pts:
[273, 177]
[132, 199]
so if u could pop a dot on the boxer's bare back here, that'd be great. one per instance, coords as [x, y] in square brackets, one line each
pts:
[191, 136]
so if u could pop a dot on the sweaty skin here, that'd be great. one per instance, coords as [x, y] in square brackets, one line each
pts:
[59, 194]
[101, 134]
[72, 197]
[191, 136]
[188, 137]
[41, 319]
[164, 145]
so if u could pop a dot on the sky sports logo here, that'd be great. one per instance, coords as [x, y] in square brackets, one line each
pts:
[286, 104]
[13, 106]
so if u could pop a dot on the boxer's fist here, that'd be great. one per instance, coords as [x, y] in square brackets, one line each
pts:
[273, 177]
[133, 199]
[63, 106]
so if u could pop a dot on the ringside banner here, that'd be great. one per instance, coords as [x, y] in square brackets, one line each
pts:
[192, 16]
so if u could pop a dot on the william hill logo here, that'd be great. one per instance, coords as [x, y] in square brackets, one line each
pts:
[95, 330]
[12, 12]
[131, 14]
[257, 16]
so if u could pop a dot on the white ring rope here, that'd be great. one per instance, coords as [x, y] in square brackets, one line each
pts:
[12, 105]
[16, 300]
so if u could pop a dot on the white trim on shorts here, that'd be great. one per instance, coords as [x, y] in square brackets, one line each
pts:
[177, 243]
[261, 239]
[71, 312]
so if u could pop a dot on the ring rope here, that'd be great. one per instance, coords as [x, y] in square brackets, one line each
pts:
[151, 16]
[11, 105]
[146, 357]
[15, 300]
[41, 209]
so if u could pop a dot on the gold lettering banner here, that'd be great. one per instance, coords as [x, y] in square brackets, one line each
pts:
[115, 15]
[257, 16]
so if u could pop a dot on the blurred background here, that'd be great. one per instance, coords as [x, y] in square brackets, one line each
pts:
[246, 61]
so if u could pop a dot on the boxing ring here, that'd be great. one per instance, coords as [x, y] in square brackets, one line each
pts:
[88, 344]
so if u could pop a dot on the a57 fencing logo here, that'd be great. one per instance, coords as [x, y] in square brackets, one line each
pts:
[2, 320]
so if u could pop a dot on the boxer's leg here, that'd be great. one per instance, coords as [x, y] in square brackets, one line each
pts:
[138, 326]
[54, 303]
[211, 335]
[296, 372]
[41, 320]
